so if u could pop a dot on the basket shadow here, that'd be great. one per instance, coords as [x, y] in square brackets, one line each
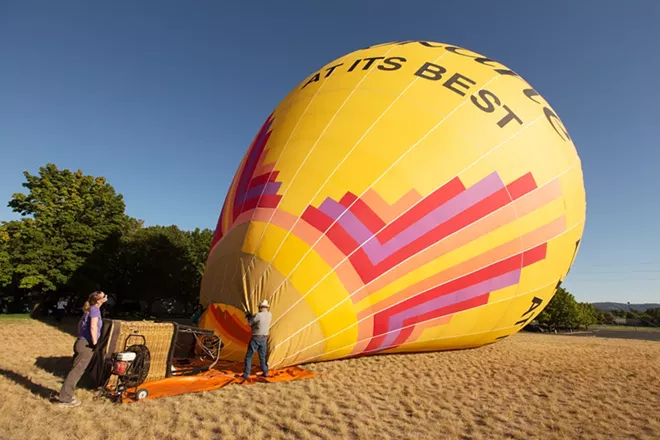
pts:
[34, 388]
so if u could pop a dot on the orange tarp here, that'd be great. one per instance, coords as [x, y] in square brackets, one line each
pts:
[223, 374]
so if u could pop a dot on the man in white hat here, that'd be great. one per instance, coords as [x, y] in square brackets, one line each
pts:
[260, 324]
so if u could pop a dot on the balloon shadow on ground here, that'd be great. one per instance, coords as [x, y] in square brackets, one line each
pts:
[34, 388]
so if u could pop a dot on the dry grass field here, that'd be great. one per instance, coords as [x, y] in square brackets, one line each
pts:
[527, 387]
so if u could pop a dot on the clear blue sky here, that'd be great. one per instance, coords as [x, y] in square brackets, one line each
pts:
[163, 97]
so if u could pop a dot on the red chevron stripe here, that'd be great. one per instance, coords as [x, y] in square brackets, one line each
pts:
[453, 308]
[428, 204]
[251, 162]
[408, 328]
[495, 201]
[521, 186]
[235, 330]
[218, 234]
[266, 201]
[264, 178]
[510, 264]
[363, 212]
[336, 233]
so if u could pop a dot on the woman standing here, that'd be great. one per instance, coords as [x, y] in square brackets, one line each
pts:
[89, 332]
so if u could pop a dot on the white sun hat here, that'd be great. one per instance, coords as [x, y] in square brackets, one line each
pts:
[264, 303]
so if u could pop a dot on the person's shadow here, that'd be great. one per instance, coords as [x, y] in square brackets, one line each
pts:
[60, 366]
[34, 388]
[56, 365]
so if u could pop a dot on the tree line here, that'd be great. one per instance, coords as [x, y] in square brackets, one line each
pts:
[74, 237]
[565, 313]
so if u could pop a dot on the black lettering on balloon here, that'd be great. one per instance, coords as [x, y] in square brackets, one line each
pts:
[482, 60]
[430, 71]
[394, 63]
[331, 69]
[485, 61]
[455, 80]
[531, 93]
[429, 44]
[354, 65]
[536, 303]
[556, 123]
[510, 115]
[575, 251]
[312, 79]
[370, 61]
[489, 98]
[454, 49]
[549, 114]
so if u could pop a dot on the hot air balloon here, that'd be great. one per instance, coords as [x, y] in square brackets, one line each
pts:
[406, 197]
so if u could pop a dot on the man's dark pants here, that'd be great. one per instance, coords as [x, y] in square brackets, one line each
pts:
[82, 355]
[259, 345]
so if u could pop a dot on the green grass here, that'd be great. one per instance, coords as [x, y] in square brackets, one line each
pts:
[14, 316]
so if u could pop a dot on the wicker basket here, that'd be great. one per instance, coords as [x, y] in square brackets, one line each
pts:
[158, 337]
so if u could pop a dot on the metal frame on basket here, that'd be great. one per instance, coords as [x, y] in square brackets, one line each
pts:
[207, 340]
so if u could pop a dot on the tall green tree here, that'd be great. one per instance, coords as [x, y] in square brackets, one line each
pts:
[67, 214]
[587, 315]
[562, 311]
[162, 262]
[6, 268]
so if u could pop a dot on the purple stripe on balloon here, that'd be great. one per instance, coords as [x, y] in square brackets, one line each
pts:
[377, 252]
[496, 283]
[253, 157]
[267, 188]
[347, 220]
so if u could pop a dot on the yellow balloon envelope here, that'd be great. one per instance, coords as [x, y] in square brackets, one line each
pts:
[410, 196]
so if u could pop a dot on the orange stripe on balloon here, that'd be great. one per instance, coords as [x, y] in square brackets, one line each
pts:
[506, 250]
[419, 328]
[325, 248]
[386, 212]
[365, 333]
[522, 206]
[263, 169]
[209, 321]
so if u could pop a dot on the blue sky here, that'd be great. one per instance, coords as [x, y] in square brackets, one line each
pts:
[163, 98]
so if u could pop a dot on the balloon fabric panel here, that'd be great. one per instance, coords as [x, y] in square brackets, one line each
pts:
[411, 196]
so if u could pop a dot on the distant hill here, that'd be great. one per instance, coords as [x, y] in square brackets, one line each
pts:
[611, 306]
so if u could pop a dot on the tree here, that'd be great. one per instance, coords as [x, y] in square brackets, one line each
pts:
[586, 315]
[162, 263]
[654, 315]
[608, 318]
[6, 268]
[74, 238]
[562, 311]
[67, 215]
[600, 316]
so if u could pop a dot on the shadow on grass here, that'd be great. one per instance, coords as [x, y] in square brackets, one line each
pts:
[67, 325]
[56, 365]
[34, 388]
[60, 366]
